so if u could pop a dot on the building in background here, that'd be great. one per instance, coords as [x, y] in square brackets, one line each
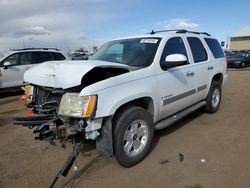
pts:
[240, 40]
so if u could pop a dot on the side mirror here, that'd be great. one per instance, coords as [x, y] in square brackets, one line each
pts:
[6, 65]
[174, 60]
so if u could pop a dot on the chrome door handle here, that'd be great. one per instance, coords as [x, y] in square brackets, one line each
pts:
[210, 67]
[189, 74]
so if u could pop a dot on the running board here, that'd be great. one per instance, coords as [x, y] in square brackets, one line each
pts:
[178, 116]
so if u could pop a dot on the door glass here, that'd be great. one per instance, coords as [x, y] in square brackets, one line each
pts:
[25, 58]
[13, 59]
[198, 50]
[57, 56]
[39, 57]
[174, 45]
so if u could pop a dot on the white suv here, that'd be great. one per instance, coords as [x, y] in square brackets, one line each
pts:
[14, 63]
[129, 88]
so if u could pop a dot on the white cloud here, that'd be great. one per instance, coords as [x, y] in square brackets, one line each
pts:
[178, 23]
[58, 23]
[29, 31]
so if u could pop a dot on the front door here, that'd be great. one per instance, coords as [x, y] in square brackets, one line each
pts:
[176, 85]
[12, 75]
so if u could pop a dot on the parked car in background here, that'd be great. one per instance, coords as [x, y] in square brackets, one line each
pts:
[79, 56]
[239, 60]
[230, 53]
[14, 63]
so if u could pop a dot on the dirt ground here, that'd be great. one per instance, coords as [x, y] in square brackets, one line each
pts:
[222, 139]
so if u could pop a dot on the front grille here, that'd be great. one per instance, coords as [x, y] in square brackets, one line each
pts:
[43, 95]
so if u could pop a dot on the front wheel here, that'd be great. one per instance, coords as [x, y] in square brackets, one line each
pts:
[133, 136]
[214, 98]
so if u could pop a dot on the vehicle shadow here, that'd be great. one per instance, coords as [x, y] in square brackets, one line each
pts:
[73, 180]
[172, 128]
[239, 69]
[10, 94]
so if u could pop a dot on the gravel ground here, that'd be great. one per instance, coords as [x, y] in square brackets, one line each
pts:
[221, 139]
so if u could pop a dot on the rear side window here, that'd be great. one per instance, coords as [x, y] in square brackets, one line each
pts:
[39, 57]
[57, 56]
[25, 58]
[197, 48]
[215, 48]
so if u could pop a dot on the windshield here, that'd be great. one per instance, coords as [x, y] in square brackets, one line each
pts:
[137, 52]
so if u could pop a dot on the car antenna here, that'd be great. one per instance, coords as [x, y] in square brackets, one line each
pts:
[152, 32]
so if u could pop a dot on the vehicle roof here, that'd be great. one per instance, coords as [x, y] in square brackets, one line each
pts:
[36, 49]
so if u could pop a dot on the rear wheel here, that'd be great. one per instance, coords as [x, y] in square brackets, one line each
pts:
[133, 136]
[214, 98]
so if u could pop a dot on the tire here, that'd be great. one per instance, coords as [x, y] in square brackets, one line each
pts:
[214, 98]
[133, 136]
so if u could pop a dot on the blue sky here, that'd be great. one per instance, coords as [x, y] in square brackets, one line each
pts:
[83, 23]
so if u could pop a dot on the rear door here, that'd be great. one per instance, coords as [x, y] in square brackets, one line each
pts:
[203, 67]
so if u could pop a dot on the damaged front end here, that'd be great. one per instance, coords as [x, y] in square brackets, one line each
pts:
[59, 116]
[49, 122]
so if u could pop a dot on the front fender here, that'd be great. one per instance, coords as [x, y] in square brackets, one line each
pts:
[110, 99]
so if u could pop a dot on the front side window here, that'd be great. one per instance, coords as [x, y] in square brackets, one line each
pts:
[197, 48]
[174, 45]
[13, 59]
[138, 52]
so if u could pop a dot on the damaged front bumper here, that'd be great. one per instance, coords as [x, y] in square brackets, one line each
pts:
[48, 123]
[54, 127]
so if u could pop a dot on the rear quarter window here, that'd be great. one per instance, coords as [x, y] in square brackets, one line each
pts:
[57, 56]
[39, 57]
[215, 47]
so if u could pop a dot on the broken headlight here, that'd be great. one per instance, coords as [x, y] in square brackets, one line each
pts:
[77, 106]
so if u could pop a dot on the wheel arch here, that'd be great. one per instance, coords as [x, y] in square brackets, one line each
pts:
[218, 77]
[143, 102]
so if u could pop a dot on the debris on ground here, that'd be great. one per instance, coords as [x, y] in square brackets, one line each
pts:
[181, 157]
[163, 161]
[203, 160]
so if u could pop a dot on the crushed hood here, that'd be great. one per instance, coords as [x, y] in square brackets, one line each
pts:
[64, 74]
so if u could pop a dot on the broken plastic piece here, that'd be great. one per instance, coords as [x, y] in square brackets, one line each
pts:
[203, 160]
[181, 157]
[163, 162]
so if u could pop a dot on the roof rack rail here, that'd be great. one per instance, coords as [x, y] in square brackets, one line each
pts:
[161, 31]
[194, 32]
[21, 49]
[179, 31]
